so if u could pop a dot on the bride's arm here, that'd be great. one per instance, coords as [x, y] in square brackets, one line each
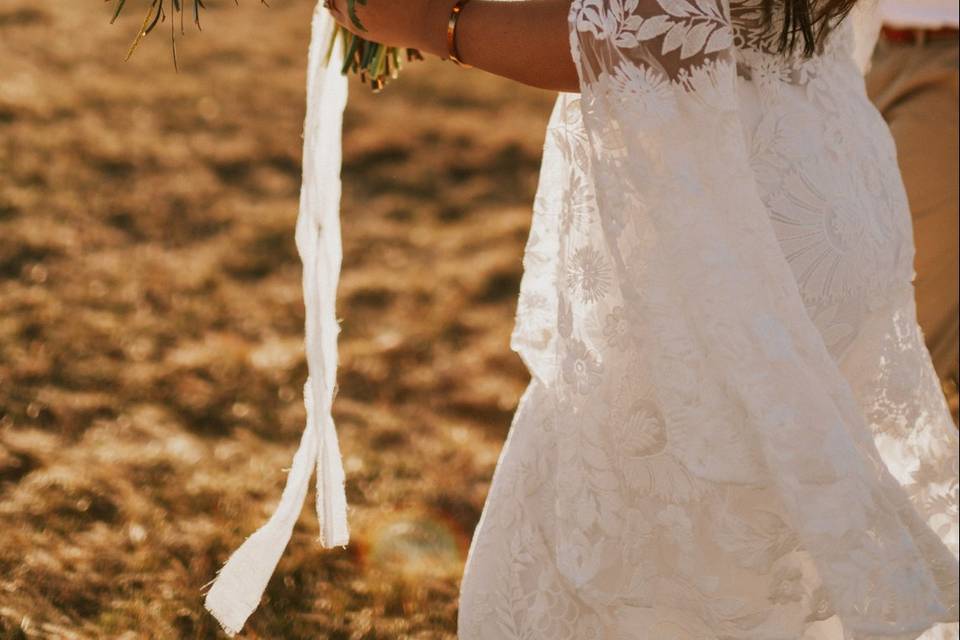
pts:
[523, 40]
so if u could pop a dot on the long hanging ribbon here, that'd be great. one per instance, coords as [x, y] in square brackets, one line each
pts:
[239, 585]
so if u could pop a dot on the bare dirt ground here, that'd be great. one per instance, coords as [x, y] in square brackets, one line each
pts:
[151, 359]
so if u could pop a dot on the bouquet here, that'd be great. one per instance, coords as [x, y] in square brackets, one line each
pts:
[373, 62]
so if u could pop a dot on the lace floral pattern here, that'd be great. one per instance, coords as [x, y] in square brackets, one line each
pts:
[733, 429]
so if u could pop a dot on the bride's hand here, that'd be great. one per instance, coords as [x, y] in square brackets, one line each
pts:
[419, 24]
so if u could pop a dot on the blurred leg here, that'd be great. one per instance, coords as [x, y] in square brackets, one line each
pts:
[915, 87]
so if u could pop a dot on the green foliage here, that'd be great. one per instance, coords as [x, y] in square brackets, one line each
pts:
[372, 61]
[157, 12]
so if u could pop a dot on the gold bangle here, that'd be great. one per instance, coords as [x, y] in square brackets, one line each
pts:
[452, 33]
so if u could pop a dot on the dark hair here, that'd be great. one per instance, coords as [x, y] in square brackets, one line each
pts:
[809, 21]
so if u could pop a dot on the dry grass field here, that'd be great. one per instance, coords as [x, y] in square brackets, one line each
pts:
[151, 360]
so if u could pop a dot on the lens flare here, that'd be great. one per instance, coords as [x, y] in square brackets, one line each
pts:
[416, 543]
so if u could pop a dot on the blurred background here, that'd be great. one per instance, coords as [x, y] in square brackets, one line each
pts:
[151, 323]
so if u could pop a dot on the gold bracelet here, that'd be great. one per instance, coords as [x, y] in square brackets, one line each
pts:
[452, 33]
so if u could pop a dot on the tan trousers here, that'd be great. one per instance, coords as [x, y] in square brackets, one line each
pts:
[915, 88]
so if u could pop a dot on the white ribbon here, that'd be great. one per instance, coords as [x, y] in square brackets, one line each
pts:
[239, 585]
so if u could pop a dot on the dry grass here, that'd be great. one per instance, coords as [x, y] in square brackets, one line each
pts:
[151, 329]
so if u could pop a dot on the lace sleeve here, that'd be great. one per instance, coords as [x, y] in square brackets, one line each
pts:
[713, 315]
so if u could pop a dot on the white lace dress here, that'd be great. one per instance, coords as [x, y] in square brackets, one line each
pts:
[733, 429]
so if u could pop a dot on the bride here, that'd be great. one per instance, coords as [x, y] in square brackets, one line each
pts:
[733, 429]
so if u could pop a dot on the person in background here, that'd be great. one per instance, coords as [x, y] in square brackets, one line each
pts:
[913, 82]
